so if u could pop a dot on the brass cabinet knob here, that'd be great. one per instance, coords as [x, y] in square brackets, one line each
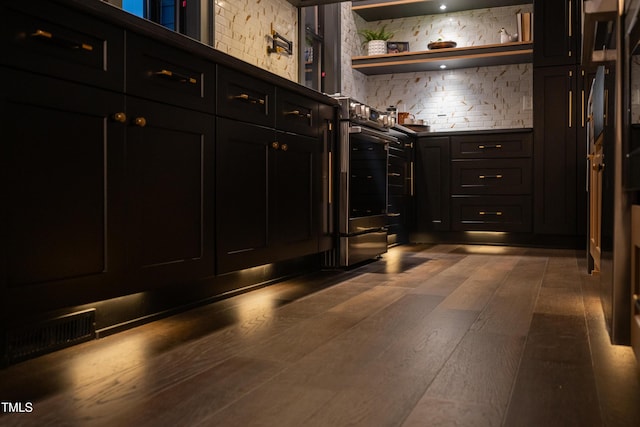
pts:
[140, 122]
[120, 117]
[284, 147]
[275, 145]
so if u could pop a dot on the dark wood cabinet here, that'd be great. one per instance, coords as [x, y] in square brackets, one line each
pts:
[48, 38]
[245, 98]
[162, 73]
[557, 122]
[491, 177]
[169, 176]
[267, 195]
[432, 184]
[296, 113]
[474, 182]
[491, 213]
[61, 162]
[557, 32]
[117, 181]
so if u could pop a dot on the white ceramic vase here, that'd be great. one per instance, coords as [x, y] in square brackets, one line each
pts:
[377, 47]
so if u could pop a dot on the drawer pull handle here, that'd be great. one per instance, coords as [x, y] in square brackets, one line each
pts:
[175, 76]
[140, 122]
[120, 117]
[297, 113]
[486, 147]
[41, 34]
[394, 174]
[393, 215]
[498, 176]
[251, 99]
[498, 213]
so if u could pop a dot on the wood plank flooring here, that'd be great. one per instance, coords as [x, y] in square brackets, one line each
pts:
[441, 335]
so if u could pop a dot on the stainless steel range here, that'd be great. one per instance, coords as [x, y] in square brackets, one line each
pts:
[362, 204]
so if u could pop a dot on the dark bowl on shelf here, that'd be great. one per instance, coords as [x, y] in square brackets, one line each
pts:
[441, 45]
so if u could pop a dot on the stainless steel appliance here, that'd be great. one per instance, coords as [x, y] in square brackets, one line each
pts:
[362, 208]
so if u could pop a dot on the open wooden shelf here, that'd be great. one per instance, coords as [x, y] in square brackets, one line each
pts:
[453, 58]
[376, 10]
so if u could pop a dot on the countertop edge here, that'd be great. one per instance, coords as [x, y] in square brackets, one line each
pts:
[412, 132]
[116, 16]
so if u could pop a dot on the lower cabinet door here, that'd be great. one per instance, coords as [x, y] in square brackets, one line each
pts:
[432, 184]
[241, 195]
[60, 162]
[267, 195]
[169, 187]
[294, 190]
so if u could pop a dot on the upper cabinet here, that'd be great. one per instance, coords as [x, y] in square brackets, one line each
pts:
[375, 10]
[479, 47]
[557, 32]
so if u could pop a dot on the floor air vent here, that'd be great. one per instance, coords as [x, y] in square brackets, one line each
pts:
[34, 340]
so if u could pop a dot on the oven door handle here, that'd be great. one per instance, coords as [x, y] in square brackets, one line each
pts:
[380, 136]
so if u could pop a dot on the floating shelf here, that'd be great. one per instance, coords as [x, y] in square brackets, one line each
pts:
[376, 10]
[453, 58]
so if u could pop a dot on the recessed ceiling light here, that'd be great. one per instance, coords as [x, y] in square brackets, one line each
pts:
[443, 6]
[442, 67]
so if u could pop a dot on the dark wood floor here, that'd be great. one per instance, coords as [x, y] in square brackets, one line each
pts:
[428, 336]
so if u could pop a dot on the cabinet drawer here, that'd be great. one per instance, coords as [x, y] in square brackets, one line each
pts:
[491, 146]
[491, 213]
[50, 39]
[296, 113]
[496, 176]
[168, 75]
[244, 98]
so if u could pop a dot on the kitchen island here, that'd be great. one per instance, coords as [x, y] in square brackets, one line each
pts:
[145, 172]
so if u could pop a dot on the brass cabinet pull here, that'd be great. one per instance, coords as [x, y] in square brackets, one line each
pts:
[284, 147]
[582, 113]
[250, 99]
[275, 145]
[498, 176]
[570, 108]
[606, 107]
[297, 113]
[570, 20]
[119, 117]
[497, 213]
[330, 177]
[140, 122]
[412, 177]
[485, 147]
[46, 35]
[394, 174]
[176, 76]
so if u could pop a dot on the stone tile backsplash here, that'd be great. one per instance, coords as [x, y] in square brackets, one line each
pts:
[463, 99]
[242, 28]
